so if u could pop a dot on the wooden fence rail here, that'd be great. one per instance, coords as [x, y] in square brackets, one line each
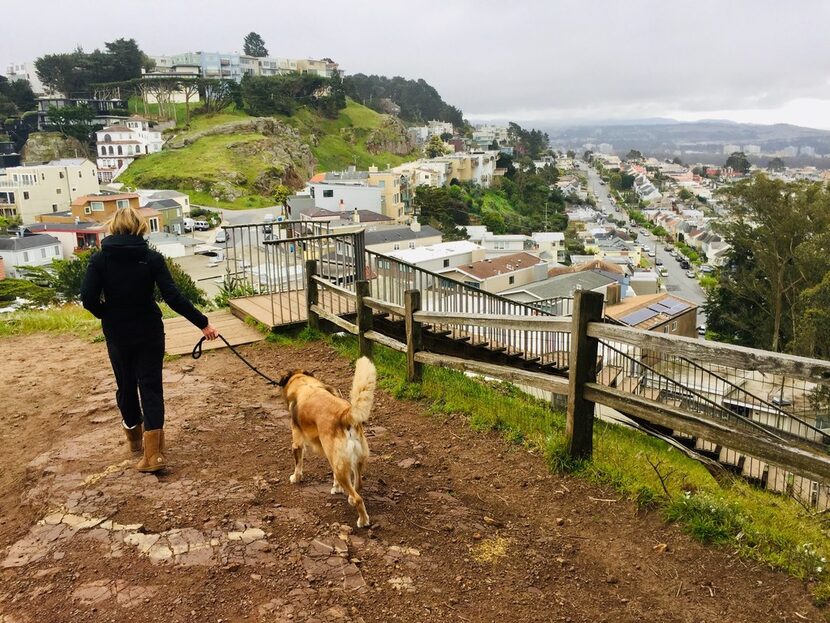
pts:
[581, 387]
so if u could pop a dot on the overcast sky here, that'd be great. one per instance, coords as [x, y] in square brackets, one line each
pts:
[759, 61]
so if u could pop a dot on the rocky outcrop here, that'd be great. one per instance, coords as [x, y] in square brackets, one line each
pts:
[45, 146]
[266, 126]
[390, 136]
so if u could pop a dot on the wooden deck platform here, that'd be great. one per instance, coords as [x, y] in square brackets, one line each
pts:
[181, 336]
[287, 308]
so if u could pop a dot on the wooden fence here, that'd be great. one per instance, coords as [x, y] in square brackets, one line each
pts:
[803, 455]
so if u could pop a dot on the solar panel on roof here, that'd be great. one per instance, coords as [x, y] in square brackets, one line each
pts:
[659, 308]
[677, 308]
[638, 316]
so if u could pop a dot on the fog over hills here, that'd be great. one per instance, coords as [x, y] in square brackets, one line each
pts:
[667, 136]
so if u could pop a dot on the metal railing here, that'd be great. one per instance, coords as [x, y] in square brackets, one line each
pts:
[389, 279]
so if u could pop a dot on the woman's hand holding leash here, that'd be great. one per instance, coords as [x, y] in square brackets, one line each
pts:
[210, 332]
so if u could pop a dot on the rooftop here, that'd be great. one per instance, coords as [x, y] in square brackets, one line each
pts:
[435, 251]
[563, 285]
[484, 269]
[649, 310]
[397, 234]
[21, 243]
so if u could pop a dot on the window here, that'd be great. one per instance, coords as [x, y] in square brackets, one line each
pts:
[154, 224]
[665, 329]
[511, 280]
[57, 250]
[123, 203]
[500, 245]
[328, 193]
[80, 174]
[54, 207]
[446, 263]
[96, 206]
[57, 191]
[25, 194]
[120, 151]
[87, 210]
[411, 244]
[396, 246]
[60, 173]
[25, 256]
[42, 176]
[43, 252]
[674, 326]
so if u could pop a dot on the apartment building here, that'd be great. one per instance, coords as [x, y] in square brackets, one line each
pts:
[384, 192]
[441, 257]
[234, 66]
[25, 71]
[477, 167]
[30, 190]
[500, 273]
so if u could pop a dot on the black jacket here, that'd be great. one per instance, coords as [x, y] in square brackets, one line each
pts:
[118, 288]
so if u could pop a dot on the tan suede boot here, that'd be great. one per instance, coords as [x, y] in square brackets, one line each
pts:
[133, 436]
[153, 459]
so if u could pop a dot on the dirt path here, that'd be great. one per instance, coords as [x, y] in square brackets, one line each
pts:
[466, 527]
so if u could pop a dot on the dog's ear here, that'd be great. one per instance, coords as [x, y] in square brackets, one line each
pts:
[285, 378]
[307, 373]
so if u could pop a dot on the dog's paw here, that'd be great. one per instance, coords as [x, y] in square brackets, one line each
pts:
[295, 478]
[335, 490]
[363, 524]
[352, 501]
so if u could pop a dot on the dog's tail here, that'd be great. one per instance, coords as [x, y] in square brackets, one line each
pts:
[363, 390]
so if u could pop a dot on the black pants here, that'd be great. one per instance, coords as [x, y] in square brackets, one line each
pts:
[137, 368]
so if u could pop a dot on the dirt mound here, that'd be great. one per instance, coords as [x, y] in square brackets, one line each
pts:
[466, 527]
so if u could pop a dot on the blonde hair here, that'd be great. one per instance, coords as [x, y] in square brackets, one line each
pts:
[128, 221]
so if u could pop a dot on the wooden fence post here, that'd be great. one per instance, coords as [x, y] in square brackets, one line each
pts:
[311, 296]
[414, 339]
[364, 318]
[579, 428]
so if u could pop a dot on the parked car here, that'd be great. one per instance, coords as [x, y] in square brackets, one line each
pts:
[652, 254]
[201, 225]
[188, 224]
[685, 265]
[669, 248]
[664, 272]
[690, 274]
[701, 330]
[221, 236]
[659, 262]
[706, 269]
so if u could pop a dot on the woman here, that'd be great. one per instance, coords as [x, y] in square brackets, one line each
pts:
[118, 288]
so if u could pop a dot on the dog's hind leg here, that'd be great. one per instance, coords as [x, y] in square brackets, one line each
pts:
[335, 487]
[343, 476]
[297, 449]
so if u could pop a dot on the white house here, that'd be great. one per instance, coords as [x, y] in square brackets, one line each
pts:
[340, 196]
[119, 145]
[33, 250]
[552, 242]
[441, 257]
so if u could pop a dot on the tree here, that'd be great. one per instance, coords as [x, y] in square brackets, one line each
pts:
[72, 121]
[677, 160]
[571, 154]
[776, 164]
[254, 45]
[738, 161]
[217, 94]
[634, 154]
[184, 283]
[685, 195]
[19, 93]
[778, 232]
[434, 147]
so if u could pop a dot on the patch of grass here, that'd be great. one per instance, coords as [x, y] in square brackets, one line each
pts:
[72, 319]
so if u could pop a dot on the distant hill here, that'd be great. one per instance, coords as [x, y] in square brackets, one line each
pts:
[234, 160]
[667, 136]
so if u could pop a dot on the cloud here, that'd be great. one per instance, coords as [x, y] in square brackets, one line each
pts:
[534, 58]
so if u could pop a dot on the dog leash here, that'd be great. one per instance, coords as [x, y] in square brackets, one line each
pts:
[197, 352]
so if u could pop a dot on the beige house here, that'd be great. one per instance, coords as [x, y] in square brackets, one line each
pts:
[28, 191]
[498, 274]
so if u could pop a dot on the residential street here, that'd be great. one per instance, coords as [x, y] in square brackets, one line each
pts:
[677, 282]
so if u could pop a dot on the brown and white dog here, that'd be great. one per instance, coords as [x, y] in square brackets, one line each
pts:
[332, 426]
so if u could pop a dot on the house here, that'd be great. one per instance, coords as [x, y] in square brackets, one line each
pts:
[440, 257]
[173, 245]
[29, 190]
[73, 237]
[549, 294]
[384, 192]
[119, 145]
[551, 243]
[234, 66]
[96, 208]
[663, 313]
[147, 195]
[500, 273]
[170, 211]
[644, 282]
[106, 111]
[27, 72]
[500, 244]
[387, 239]
[25, 249]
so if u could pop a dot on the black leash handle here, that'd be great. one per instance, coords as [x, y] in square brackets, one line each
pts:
[197, 352]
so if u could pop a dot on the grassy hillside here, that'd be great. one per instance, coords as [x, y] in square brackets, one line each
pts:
[222, 161]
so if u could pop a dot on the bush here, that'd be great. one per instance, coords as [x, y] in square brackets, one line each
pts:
[11, 289]
[64, 277]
